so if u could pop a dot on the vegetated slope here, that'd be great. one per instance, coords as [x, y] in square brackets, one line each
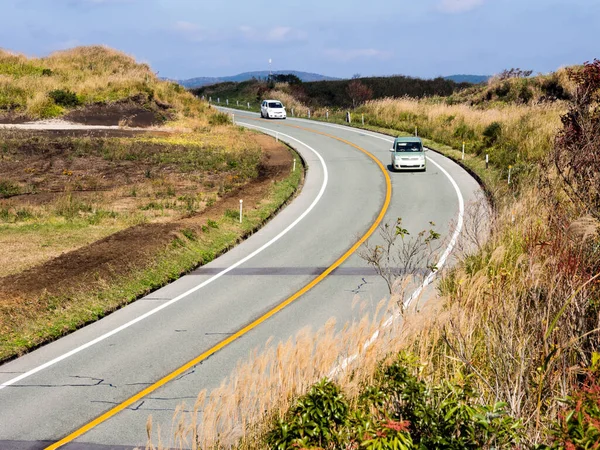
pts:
[511, 356]
[198, 82]
[41, 88]
[91, 220]
[336, 93]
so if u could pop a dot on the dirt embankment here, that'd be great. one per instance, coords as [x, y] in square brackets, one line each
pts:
[136, 111]
[135, 246]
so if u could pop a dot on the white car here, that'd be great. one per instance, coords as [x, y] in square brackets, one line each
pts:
[272, 109]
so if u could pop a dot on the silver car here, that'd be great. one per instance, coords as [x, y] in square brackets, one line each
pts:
[408, 154]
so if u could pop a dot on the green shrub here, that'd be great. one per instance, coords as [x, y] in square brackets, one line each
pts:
[492, 133]
[316, 418]
[64, 98]
[579, 424]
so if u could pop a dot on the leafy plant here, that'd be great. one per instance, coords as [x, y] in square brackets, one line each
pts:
[579, 423]
[64, 98]
[316, 419]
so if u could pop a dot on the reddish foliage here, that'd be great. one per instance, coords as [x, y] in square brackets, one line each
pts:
[400, 426]
[577, 146]
[359, 92]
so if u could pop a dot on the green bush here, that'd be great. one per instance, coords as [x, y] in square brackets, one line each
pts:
[64, 98]
[492, 133]
[579, 424]
[396, 411]
[316, 419]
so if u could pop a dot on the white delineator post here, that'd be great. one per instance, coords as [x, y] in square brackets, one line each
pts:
[294, 167]
[218, 100]
[309, 113]
[327, 114]
[237, 103]
[292, 112]
[509, 173]
[463, 151]
[227, 101]
[248, 105]
[241, 201]
[363, 119]
[487, 160]
[416, 131]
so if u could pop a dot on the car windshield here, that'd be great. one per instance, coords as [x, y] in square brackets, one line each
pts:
[275, 105]
[408, 147]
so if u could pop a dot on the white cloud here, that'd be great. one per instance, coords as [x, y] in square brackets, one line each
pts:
[276, 34]
[456, 6]
[347, 55]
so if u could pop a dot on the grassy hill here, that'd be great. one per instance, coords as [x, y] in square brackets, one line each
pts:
[41, 88]
[72, 200]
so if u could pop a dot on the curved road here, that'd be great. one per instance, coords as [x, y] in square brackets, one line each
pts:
[59, 388]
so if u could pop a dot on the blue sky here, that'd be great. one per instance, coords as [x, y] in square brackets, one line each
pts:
[425, 38]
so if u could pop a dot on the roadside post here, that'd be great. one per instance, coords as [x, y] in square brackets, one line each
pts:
[509, 173]
[248, 105]
[227, 101]
[294, 167]
[487, 160]
[209, 99]
[309, 113]
[416, 131]
[218, 100]
[463, 151]
[241, 201]
[237, 103]
[327, 115]
[292, 112]
[348, 117]
[363, 119]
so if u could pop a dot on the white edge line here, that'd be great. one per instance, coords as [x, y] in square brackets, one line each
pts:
[343, 365]
[192, 290]
[459, 224]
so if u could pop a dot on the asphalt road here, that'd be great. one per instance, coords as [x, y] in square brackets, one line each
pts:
[57, 389]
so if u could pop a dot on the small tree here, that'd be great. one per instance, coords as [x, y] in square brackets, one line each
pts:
[402, 255]
[358, 92]
[577, 145]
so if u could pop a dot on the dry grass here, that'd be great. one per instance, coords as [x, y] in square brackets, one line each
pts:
[501, 318]
[96, 74]
[519, 311]
[529, 129]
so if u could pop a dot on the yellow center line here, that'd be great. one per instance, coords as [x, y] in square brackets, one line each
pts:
[130, 401]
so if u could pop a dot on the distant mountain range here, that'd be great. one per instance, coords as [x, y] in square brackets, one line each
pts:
[475, 79]
[198, 82]
[207, 81]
